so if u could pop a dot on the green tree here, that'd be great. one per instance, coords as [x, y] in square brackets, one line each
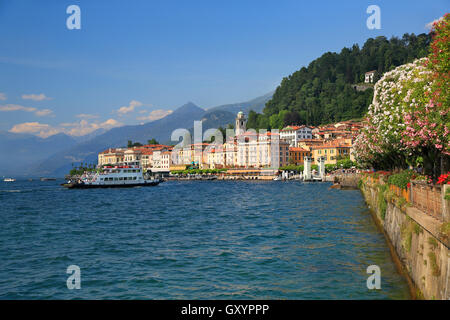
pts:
[152, 141]
[323, 92]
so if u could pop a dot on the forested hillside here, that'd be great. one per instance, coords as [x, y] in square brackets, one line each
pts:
[324, 91]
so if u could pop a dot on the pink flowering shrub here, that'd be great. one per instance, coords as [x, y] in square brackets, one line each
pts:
[409, 114]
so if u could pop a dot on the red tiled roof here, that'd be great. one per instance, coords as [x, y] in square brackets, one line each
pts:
[297, 149]
[111, 150]
[270, 134]
[153, 146]
[295, 127]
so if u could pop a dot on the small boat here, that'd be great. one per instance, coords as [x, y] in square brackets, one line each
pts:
[128, 175]
[9, 180]
[277, 178]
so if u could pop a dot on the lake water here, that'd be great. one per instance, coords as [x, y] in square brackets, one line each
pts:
[192, 240]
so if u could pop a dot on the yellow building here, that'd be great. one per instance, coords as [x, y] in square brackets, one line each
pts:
[111, 156]
[132, 155]
[215, 157]
[147, 159]
[230, 153]
[331, 152]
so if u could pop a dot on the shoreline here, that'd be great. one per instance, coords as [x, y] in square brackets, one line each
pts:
[400, 266]
[415, 240]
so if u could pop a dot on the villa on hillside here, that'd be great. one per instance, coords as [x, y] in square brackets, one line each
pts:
[369, 77]
[292, 134]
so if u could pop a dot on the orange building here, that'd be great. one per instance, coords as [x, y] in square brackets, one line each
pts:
[296, 155]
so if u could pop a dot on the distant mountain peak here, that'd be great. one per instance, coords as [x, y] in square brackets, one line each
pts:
[188, 107]
[59, 163]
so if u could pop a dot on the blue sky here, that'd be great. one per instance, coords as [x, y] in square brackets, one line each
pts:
[153, 56]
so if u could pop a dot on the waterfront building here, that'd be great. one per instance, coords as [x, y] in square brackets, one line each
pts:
[199, 155]
[144, 155]
[215, 157]
[246, 148]
[185, 155]
[263, 150]
[273, 152]
[230, 153]
[176, 157]
[297, 155]
[293, 134]
[132, 155]
[147, 159]
[111, 156]
[210, 160]
[193, 154]
[331, 152]
[161, 161]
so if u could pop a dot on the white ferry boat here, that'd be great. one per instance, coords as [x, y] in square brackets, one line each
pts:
[9, 180]
[127, 175]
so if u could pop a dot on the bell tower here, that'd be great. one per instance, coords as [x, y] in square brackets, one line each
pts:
[241, 123]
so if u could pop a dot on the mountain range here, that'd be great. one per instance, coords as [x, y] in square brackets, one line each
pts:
[23, 155]
[256, 105]
[21, 151]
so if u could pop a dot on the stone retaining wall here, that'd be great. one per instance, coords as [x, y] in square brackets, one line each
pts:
[417, 238]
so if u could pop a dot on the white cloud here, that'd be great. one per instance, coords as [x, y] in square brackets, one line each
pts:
[2, 96]
[35, 97]
[429, 25]
[84, 127]
[155, 115]
[40, 129]
[130, 108]
[80, 128]
[110, 123]
[16, 107]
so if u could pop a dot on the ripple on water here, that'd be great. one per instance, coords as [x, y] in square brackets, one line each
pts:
[199, 240]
